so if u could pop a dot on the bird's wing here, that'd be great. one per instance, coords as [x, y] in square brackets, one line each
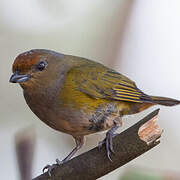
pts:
[99, 81]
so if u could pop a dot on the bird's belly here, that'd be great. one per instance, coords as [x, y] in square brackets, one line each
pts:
[72, 120]
[78, 122]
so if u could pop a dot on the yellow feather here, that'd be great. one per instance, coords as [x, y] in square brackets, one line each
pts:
[124, 96]
[127, 91]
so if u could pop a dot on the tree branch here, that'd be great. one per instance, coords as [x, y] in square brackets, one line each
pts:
[128, 145]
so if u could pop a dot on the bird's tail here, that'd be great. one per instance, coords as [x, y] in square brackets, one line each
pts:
[164, 101]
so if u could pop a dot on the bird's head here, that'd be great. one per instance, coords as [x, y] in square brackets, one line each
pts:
[35, 67]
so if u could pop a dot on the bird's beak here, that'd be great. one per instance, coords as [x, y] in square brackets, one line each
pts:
[18, 78]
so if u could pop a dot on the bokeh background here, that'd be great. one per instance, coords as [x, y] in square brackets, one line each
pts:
[138, 38]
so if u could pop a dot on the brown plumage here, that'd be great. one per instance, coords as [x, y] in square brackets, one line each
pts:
[78, 96]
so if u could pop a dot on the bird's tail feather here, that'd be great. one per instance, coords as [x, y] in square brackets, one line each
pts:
[164, 101]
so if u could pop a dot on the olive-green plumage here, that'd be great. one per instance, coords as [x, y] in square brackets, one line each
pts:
[76, 95]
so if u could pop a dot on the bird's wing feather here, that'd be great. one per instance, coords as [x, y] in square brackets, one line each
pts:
[99, 81]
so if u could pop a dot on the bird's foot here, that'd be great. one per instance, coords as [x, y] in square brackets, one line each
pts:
[49, 168]
[108, 143]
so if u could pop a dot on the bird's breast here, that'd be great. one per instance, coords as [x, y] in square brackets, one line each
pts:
[52, 111]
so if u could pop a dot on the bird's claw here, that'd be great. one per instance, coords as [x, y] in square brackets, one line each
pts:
[108, 143]
[49, 168]
[59, 162]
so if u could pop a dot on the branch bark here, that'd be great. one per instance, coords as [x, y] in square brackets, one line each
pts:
[128, 145]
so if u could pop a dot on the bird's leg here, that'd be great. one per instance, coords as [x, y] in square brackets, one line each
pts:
[79, 143]
[108, 140]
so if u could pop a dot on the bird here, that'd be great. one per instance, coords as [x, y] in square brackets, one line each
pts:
[78, 96]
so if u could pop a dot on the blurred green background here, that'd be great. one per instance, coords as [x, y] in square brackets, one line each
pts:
[138, 38]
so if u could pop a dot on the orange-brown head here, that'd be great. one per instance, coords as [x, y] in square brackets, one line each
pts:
[35, 66]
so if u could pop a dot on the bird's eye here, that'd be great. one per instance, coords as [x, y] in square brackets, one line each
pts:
[41, 66]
